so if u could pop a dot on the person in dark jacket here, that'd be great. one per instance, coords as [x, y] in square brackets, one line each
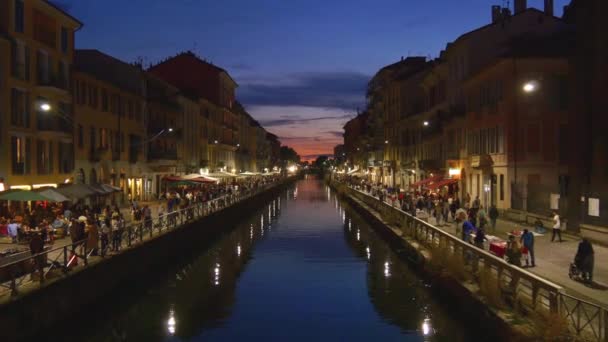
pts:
[37, 246]
[493, 213]
[480, 237]
[584, 259]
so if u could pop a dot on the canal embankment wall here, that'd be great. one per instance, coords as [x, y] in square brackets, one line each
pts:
[43, 308]
[462, 298]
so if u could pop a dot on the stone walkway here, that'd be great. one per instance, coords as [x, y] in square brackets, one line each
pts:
[553, 261]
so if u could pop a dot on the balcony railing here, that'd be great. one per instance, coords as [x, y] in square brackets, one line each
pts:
[51, 122]
[52, 80]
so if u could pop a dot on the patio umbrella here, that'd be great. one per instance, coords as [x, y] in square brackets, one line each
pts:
[110, 188]
[77, 191]
[54, 194]
[24, 196]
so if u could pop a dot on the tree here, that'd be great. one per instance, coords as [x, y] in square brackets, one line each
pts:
[288, 154]
[320, 162]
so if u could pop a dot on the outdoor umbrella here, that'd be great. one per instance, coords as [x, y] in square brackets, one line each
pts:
[24, 196]
[110, 188]
[77, 191]
[54, 194]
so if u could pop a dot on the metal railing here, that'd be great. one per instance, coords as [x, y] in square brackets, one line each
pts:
[522, 290]
[34, 270]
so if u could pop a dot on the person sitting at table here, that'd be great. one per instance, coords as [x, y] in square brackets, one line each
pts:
[513, 251]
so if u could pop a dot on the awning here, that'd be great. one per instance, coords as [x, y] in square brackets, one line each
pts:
[353, 171]
[54, 194]
[441, 183]
[77, 191]
[427, 180]
[111, 188]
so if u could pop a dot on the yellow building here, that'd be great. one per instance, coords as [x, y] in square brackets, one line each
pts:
[109, 122]
[36, 141]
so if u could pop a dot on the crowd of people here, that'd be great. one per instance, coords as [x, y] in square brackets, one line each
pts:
[472, 221]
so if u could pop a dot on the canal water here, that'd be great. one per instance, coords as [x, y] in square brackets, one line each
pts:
[303, 268]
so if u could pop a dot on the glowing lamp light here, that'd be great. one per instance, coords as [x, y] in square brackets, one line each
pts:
[426, 123]
[233, 170]
[427, 329]
[530, 87]
[292, 169]
[45, 107]
[170, 129]
[454, 172]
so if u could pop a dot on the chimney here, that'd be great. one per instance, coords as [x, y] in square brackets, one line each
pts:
[520, 6]
[495, 13]
[549, 7]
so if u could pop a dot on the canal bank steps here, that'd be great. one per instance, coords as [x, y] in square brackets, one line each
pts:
[28, 306]
[509, 298]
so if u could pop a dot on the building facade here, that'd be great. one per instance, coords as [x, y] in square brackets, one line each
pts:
[37, 45]
[109, 128]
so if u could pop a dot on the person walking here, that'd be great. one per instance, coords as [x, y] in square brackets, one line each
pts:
[480, 237]
[513, 251]
[493, 214]
[557, 227]
[584, 259]
[527, 240]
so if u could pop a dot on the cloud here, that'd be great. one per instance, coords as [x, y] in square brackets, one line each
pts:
[338, 134]
[298, 120]
[344, 90]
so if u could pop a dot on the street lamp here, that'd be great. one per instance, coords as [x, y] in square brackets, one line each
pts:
[386, 141]
[45, 107]
[530, 87]
[426, 123]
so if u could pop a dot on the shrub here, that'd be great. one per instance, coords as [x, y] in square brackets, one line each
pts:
[552, 327]
[489, 286]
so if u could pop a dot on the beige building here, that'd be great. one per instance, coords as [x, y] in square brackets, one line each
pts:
[109, 127]
[36, 46]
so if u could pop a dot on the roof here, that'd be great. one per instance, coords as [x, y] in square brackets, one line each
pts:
[109, 69]
[78, 22]
[528, 46]
[197, 58]
[482, 28]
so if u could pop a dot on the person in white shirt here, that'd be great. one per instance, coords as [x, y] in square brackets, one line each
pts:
[556, 227]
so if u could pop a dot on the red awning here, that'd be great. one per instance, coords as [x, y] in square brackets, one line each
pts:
[441, 183]
[203, 180]
[173, 179]
[425, 181]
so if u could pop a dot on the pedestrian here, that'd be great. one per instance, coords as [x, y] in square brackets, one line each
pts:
[527, 240]
[92, 237]
[480, 237]
[105, 235]
[493, 217]
[513, 251]
[115, 233]
[37, 247]
[557, 227]
[482, 216]
[467, 229]
[584, 259]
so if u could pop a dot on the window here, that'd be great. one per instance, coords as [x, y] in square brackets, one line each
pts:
[130, 108]
[93, 139]
[20, 61]
[66, 160]
[103, 138]
[42, 157]
[104, 100]
[502, 187]
[51, 166]
[43, 67]
[64, 40]
[20, 155]
[92, 96]
[83, 93]
[80, 136]
[62, 75]
[20, 108]
[19, 16]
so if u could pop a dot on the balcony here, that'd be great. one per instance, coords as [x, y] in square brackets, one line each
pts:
[50, 122]
[52, 82]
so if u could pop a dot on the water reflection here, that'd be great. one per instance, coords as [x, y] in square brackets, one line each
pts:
[312, 278]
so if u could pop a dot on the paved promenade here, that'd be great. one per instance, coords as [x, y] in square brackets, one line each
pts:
[553, 260]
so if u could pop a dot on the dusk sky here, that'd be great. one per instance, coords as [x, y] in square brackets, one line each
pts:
[302, 66]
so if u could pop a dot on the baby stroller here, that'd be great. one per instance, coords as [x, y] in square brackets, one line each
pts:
[574, 272]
